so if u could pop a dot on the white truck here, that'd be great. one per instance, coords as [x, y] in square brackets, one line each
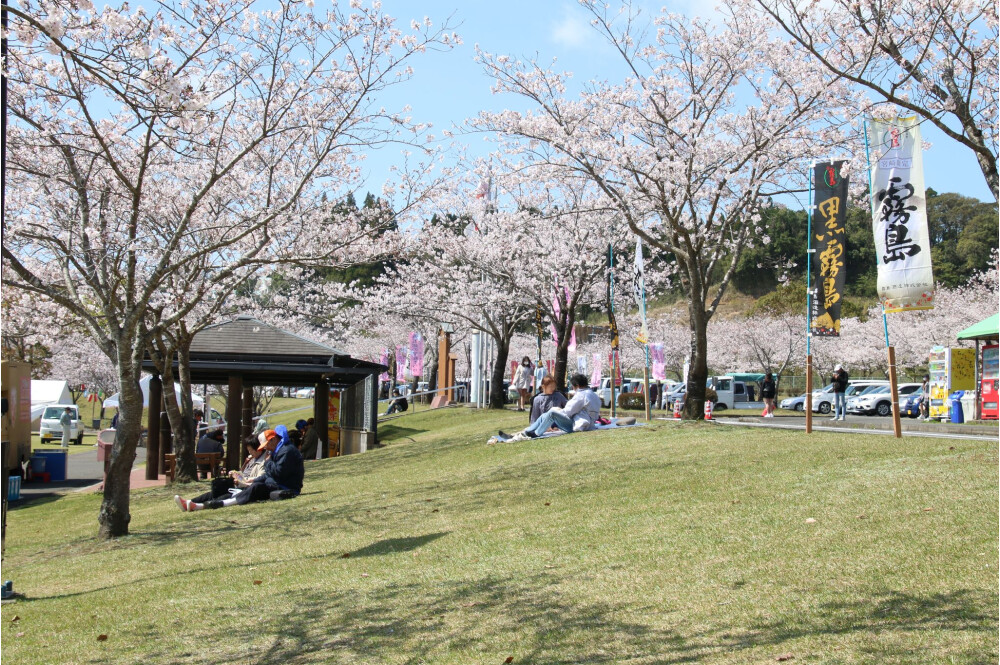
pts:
[50, 429]
[730, 392]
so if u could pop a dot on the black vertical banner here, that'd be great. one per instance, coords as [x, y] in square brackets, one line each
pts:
[828, 241]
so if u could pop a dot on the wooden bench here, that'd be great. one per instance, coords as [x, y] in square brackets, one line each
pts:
[211, 460]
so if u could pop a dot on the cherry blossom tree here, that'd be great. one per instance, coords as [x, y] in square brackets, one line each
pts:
[936, 59]
[707, 124]
[185, 144]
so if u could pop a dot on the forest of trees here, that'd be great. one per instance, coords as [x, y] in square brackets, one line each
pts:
[963, 233]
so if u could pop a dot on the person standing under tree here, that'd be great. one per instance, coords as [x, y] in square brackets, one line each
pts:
[521, 381]
[768, 391]
[840, 380]
[925, 398]
[66, 421]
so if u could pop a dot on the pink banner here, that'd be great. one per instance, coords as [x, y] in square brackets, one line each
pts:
[513, 369]
[659, 367]
[416, 354]
[595, 377]
[384, 360]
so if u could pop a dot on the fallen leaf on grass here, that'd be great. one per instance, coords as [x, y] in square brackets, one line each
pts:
[428, 500]
[861, 517]
[811, 520]
[16, 618]
[509, 660]
[472, 604]
[927, 510]
[21, 634]
[951, 447]
[547, 503]
[364, 574]
[435, 511]
[102, 638]
[258, 582]
[783, 657]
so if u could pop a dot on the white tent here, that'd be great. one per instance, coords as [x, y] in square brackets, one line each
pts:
[46, 393]
[112, 402]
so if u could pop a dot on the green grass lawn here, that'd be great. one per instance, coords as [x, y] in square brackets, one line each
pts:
[670, 543]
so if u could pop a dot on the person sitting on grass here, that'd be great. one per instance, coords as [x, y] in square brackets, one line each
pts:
[310, 441]
[252, 469]
[282, 477]
[397, 404]
[578, 415]
[546, 400]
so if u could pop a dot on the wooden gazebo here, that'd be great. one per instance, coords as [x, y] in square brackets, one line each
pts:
[245, 352]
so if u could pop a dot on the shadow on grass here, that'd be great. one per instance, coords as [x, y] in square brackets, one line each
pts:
[388, 432]
[393, 545]
[535, 621]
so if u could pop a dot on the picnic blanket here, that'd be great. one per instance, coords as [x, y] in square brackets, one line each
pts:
[614, 424]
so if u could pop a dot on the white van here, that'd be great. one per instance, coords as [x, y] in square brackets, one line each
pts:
[49, 428]
[730, 392]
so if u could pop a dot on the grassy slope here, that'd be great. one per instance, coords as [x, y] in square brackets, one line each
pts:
[663, 544]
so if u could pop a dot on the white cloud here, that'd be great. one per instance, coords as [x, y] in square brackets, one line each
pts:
[571, 29]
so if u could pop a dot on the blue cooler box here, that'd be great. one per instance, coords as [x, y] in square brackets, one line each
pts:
[55, 463]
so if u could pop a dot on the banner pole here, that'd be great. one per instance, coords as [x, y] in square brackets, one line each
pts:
[809, 267]
[809, 390]
[645, 347]
[611, 305]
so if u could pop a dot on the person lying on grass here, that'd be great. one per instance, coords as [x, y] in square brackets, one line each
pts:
[282, 477]
[252, 469]
[578, 415]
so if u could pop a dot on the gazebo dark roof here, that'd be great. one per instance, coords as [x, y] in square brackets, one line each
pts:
[266, 355]
[256, 338]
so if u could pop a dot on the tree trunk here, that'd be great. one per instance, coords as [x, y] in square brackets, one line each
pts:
[498, 399]
[114, 516]
[694, 402]
[564, 328]
[185, 441]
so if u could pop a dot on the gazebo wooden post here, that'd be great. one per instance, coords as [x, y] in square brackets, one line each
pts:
[321, 414]
[248, 427]
[153, 428]
[234, 422]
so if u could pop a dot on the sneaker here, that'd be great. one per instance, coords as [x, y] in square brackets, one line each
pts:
[835, 418]
[502, 435]
[183, 504]
[520, 436]
[529, 434]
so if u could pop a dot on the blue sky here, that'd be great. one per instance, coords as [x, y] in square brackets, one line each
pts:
[449, 87]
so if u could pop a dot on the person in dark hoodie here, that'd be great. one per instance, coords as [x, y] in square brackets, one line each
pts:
[283, 473]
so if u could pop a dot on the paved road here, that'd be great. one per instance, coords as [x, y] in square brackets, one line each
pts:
[84, 470]
[916, 428]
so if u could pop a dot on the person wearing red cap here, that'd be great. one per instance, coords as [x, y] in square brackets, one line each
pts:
[283, 473]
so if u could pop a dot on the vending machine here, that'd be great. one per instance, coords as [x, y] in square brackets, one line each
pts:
[990, 404]
[949, 370]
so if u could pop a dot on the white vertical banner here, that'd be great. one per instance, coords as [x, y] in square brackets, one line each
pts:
[639, 291]
[899, 215]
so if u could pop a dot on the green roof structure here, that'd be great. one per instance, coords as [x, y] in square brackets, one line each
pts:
[986, 329]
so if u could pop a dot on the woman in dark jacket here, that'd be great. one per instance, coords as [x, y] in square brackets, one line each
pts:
[768, 391]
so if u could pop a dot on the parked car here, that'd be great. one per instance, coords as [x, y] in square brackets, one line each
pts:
[823, 398]
[794, 403]
[305, 393]
[728, 391]
[50, 429]
[604, 391]
[878, 400]
[911, 405]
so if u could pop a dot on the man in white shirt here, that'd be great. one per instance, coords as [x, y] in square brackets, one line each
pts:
[578, 415]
